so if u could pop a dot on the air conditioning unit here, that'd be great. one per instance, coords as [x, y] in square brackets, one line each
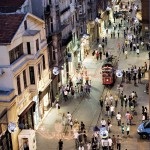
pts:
[1, 71]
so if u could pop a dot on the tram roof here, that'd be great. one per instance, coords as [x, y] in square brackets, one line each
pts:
[109, 64]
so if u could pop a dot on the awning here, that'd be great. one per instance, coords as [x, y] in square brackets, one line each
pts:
[43, 93]
[31, 104]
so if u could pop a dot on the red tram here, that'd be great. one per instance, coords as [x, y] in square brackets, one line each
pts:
[109, 73]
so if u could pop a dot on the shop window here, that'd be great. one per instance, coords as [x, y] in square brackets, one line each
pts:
[51, 25]
[54, 55]
[24, 79]
[37, 44]
[18, 85]
[28, 48]
[32, 76]
[43, 60]
[39, 71]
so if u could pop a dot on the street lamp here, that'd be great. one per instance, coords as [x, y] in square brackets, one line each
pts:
[97, 20]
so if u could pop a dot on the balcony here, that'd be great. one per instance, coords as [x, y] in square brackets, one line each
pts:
[47, 10]
[7, 95]
[67, 40]
[90, 3]
[82, 16]
[65, 10]
[59, 29]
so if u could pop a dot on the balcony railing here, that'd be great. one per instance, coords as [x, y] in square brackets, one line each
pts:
[82, 17]
[65, 10]
[67, 40]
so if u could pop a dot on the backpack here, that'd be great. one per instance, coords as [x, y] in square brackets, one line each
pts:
[130, 117]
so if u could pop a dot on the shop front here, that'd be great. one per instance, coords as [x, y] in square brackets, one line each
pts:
[85, 47]
[26, 118]
[44, 101]
[5, 136]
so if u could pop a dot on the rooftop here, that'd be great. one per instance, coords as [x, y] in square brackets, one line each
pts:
[8, 6]
[9, 24]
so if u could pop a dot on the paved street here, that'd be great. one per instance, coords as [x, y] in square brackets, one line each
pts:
[87, 109]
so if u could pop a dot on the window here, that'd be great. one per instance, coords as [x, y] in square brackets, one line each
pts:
[43, 60]
[18, 85]
[25, 24]
[39, 71]
[15, 53]
[54, 56]
[37, 44]
[24, 79]
[32, 77]
[51, 25]
[28, 48]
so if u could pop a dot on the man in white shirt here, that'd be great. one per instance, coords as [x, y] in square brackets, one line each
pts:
[118, 117]
[112, 110]
[65, 95]
[132, 94]
[69, 117]
[105, 144]
[103, 122]
[76, 135]
[110, 143]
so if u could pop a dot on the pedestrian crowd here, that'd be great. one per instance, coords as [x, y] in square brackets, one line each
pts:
[134, 74]
[109, 102]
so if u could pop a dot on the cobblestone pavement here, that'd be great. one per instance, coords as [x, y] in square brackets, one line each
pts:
[87, 109]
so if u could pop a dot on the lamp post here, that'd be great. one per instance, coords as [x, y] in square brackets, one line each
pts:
[97, 20]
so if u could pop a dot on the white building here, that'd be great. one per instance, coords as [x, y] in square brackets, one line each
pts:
[24, 72]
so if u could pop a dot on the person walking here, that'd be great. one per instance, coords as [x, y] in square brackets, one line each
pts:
[118, 117]
[103, 122]
[112, 110]
[113, 142]
[57, 107]
[65, 95]
[126, 54]
[105, 144]
[60, 144]
[100, 55]
[125, 100]
[101, 103]
[122, 129]
[107, 109]
[118, 141]
[128, 129]
[110, 143]
[116, 100]
[118, 33]
[97, 55]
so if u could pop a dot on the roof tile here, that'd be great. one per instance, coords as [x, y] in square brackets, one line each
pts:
[8, 6]
[9, 24]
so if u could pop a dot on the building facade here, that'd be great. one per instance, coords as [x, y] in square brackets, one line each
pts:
[25, 76]
[146, 18]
